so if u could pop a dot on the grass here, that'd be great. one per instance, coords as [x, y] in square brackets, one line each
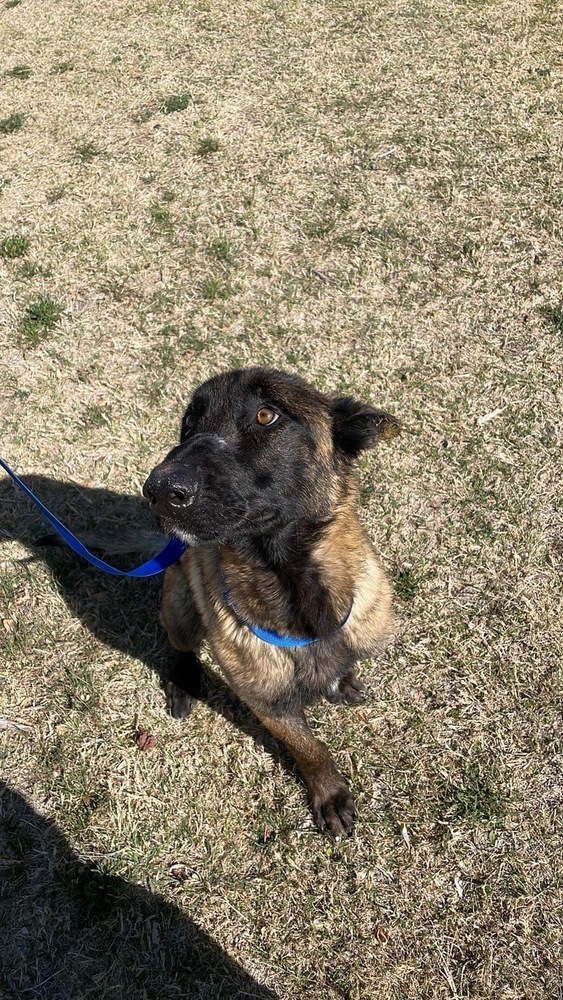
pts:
[222, 249]
[95, 416]
[161, 217]
[12, 123]
[87, 151]
[20, 72]
[391, 215]
[554, 316]
[31, 269]
[207, 146]
[63, 67]
[215, 288]
[175, 103]
[39, 318]
[406, 583]
[13, 247]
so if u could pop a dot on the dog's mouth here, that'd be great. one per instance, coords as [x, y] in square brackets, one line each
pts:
[169, 525]
[229, 525]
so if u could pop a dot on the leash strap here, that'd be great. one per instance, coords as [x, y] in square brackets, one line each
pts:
[170, 554]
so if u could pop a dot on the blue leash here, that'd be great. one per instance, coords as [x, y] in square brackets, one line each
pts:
[170, 554]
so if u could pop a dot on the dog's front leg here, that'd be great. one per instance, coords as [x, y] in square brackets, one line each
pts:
[184, 683]
[183, 624]
[331, 801]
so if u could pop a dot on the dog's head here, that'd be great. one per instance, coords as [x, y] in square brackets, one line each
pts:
[259, 449]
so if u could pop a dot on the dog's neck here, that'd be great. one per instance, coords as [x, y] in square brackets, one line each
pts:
[287, 580]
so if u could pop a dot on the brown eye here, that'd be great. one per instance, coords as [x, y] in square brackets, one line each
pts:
[188, 423]
[266, 416]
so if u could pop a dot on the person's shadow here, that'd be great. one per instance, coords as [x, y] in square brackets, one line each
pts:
[120, 611]
[68, 931]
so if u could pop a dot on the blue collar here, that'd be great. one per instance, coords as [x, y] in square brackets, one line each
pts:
[274, 638]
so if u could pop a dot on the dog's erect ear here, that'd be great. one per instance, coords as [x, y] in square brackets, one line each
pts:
[357, 426]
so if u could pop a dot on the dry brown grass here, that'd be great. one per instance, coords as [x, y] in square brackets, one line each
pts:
[369, 194]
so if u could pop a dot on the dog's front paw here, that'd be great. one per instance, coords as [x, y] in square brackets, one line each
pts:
[333, 808]
[350, 691]
[180, 704]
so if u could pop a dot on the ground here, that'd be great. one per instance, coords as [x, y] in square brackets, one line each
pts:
[368, 194]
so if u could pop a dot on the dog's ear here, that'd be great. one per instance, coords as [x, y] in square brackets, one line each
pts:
[357, 426]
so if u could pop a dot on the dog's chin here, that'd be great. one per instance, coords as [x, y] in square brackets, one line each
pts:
[190, 538]
[236, 533]
[194, 541]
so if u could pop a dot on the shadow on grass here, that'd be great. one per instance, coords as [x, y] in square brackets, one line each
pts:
[120, 612]
[69, 931]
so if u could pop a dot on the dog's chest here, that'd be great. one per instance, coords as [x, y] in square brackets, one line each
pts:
[262, 674]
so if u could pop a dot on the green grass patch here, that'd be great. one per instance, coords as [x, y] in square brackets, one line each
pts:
[31, 269]
[63, 67]
[13, 246]
[215, 288]
[12, 124]
[176, 102]
[161, 218]
[143, 115]
[319, 228]
[21, 72]
[222, 249]
[475, 794]
[95, 415]
[207, 146]
[87, 151]
[406, 583]
[39, 319]
[554, 316]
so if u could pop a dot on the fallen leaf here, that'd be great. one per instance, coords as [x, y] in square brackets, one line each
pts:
[19, 726]
[486, 417]
[145, 740]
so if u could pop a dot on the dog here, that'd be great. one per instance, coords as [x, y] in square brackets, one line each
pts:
[279, 577]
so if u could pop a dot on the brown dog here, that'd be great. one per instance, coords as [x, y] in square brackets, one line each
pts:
[280, 577]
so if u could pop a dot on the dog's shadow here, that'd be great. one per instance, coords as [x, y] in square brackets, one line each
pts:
[67, 930]
[121, 612]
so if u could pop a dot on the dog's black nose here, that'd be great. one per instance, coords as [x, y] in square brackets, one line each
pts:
[166, 489]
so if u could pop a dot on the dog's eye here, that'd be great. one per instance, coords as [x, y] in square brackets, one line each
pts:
[266, 416]
[188, 423]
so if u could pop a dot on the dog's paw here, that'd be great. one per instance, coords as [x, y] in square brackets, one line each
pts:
[334, 811]
[180, 704]
[350, 691]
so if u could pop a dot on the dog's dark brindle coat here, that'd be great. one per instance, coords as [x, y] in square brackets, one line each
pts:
[263, 486]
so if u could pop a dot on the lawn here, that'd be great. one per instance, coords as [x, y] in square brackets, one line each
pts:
[368, 194]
